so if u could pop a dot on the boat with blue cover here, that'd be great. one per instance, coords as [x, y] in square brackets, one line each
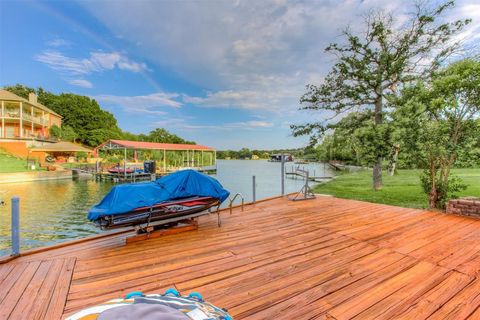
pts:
[178, 196]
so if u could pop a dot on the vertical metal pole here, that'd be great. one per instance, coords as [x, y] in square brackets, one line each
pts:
[2, 134]
[125, 163]
[254, 193]
[21, 119]
[283, 173]
[164, 160]
[15, 226]
[306, 186]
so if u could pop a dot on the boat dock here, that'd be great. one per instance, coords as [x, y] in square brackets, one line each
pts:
[327, 258]
[338, 166]
[104, 175]
[300, 172]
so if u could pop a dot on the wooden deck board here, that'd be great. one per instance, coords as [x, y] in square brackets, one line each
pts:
[36, 289]
[321, 259]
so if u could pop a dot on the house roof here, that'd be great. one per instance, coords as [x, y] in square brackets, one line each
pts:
[62, 146]
[9, 96]
[121, 144]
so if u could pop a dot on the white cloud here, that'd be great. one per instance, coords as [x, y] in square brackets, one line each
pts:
[149, 104]
[251, 55]
[58, 42]
[257, 124]
[96, 62]
[81, 83]
[245, 99]
[221, 45]
[181, 123]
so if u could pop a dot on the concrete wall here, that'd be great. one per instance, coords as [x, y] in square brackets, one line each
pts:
[34, 176]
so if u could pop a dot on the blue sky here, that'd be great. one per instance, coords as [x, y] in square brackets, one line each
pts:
[227, 74]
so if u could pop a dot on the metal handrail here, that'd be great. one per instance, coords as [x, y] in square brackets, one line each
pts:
[233, 199]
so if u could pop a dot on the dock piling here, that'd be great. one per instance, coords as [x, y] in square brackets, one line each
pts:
[15, 226]
[283, 173]
[254, 193]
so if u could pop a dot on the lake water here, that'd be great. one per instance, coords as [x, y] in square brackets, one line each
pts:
[55, 211]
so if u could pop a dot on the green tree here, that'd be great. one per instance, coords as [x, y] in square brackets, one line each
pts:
[163, 136]
[438, 121]
[65, 133]
[371, 66]
[244, 153]
[84, 120]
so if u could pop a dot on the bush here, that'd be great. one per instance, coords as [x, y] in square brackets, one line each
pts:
[445, 191]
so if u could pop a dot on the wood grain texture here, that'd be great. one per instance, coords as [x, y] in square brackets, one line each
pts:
[326, 258]
[36, 289]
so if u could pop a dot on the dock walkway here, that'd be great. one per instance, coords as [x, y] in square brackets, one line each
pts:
[326, 258]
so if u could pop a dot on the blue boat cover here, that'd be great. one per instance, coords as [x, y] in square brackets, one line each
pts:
[181, 184]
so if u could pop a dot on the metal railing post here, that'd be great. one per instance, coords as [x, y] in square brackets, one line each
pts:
[306, 184]
[254, 193]
[15, 226]
[283, 173]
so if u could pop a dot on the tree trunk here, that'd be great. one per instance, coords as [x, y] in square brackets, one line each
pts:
[393, 160]
[377, 166]
[433, 198]
[433, 195]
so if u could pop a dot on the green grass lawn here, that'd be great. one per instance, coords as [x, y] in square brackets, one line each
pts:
[10, 163]
[403, 189]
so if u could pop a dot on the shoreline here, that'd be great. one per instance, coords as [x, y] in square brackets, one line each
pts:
[16, 177]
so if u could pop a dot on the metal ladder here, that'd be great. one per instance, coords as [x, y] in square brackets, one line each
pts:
[219, 221]
[233, 199]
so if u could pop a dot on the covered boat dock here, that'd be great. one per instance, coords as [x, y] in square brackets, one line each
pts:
[326, 258]
[169, 156]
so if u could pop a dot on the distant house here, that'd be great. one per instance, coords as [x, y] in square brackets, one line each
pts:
[25, 119]
[25, 123]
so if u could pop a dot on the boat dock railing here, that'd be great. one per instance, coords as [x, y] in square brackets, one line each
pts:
[301, 172]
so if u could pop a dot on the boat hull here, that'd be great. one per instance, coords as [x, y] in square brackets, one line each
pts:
[169, 211]
[119, 170]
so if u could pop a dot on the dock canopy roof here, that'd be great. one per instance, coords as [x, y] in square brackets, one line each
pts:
[141, 145]
[62, 146]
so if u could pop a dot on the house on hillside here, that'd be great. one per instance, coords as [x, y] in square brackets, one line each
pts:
[25, 123]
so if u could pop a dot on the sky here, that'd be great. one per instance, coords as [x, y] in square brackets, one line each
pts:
[227, 74]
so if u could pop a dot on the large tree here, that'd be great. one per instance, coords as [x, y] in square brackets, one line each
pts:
[439, 120]
[371, 65]
[163, 136]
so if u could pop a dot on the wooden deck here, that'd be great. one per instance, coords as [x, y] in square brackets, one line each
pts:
[321, 259]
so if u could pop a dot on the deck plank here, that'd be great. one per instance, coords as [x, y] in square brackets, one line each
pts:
[326, 258]
[39, 291]
[462, 305]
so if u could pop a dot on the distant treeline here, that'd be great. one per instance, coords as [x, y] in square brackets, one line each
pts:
[86, 122]
[245, 153]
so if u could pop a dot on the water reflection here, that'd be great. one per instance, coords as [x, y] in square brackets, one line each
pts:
[54, 211]
[50, 211]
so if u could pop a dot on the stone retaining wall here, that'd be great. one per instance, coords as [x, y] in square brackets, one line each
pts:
[464, 206]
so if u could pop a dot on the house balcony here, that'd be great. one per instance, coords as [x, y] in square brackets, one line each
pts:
[24, 128]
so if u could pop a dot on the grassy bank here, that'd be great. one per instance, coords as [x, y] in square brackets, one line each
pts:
[403, 189]
[10, 163]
